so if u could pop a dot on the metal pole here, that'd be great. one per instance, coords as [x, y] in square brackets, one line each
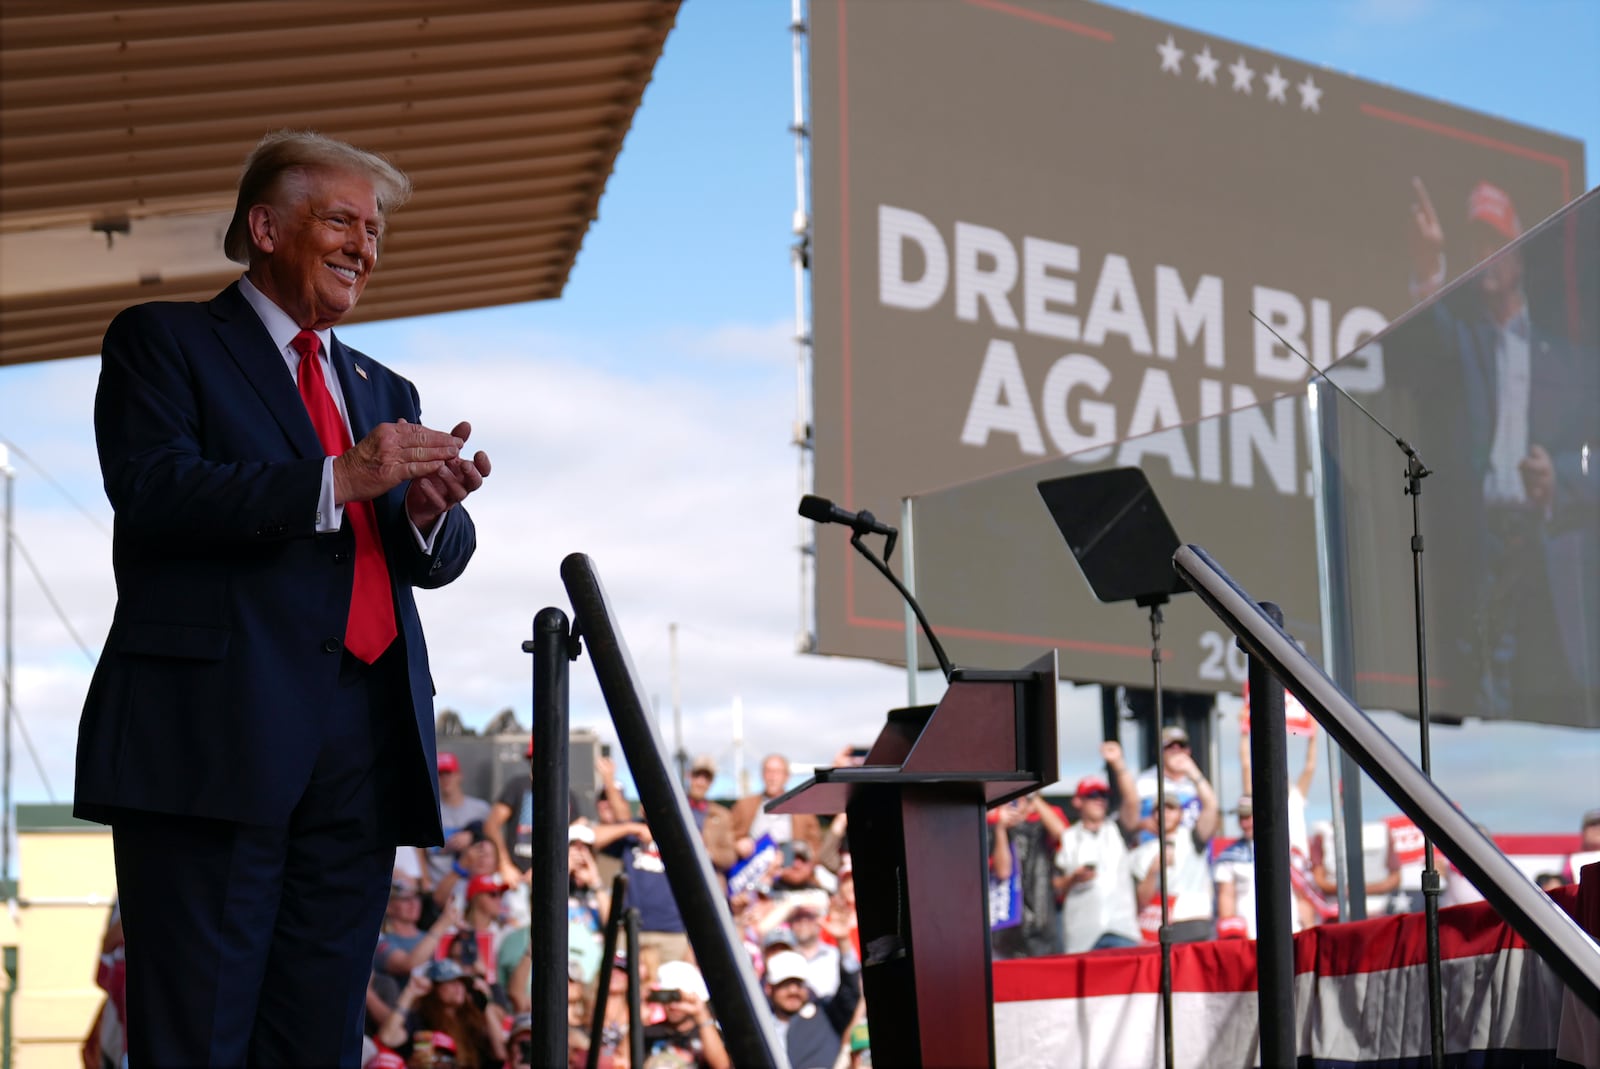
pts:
[5, 801]
[1165, 934]
[679, 756]
[551, 793]
[1338, 645]
[630, 924]
[800, 256]
[597, 1021]
[1269, 791]
[908, 565]
[1415, 473]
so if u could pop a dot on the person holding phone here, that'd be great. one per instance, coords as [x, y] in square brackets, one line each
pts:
[519, 1045]
[687, 1033]
[445, 999]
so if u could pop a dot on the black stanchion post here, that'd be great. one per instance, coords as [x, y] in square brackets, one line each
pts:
[630, 922]
[597, 1021]
[1269, 762]
[551, 652]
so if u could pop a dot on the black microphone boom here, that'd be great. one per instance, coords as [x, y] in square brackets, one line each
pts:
[821, 510]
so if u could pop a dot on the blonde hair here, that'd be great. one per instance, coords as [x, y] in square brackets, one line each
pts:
[283, 157]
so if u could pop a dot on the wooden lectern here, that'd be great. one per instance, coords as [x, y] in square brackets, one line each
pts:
[917, 846]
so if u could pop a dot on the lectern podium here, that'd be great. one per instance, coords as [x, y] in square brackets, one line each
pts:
[916, 809]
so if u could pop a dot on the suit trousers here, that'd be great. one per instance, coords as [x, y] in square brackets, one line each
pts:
[252, 946]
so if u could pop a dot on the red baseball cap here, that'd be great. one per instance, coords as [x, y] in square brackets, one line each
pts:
[448, 762]
[1089, 784]
[1491, 205]
[484, 885]
[444, 1041]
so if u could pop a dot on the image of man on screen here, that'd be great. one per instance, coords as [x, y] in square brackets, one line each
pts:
[1510, 422]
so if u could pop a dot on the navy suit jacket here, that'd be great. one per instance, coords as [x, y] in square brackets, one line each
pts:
[207, 698]
[1457, 346]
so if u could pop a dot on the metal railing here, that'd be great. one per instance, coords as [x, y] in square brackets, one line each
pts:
[1534, 915]
[748, 1030]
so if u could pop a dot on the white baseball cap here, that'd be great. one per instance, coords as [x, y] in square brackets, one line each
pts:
[683, 976]
[785, 965]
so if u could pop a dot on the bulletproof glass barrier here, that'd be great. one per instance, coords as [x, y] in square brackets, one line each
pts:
[993, 571]
[1495, 381]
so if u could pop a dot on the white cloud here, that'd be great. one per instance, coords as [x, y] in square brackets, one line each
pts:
[679, 482]
[671, 467]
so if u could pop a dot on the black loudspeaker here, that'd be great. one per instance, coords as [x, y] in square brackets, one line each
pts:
[1119, 534]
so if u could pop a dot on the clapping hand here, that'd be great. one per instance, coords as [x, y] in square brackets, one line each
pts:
[432, 495]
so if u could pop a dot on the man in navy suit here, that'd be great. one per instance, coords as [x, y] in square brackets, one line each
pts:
[1508, 422]
[259, 730]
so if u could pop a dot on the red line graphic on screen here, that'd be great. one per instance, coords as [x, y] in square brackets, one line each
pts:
[1038, 16]
[1476, 139]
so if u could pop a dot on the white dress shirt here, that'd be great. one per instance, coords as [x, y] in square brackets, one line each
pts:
[330, 513]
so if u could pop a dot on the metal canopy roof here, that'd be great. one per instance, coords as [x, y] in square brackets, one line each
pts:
[123, 127]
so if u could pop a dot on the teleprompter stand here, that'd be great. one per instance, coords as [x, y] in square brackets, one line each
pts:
[1123, 543]
[917, 809]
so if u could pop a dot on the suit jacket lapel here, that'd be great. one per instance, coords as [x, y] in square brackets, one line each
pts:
[247, 341]
[357, 390]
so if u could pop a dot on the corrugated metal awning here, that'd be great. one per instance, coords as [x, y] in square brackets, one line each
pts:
[123, 126]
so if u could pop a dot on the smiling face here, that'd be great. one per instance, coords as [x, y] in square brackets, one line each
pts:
[789, 997]
[316, 245]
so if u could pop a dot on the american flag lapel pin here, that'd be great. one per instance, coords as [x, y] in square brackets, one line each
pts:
[360, 371]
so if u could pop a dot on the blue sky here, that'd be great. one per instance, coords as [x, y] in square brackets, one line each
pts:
[645, 417]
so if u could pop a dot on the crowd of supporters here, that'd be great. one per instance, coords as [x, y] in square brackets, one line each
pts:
[452, 970]
[1078, 877]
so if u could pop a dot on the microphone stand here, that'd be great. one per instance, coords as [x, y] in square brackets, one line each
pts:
[1154, 603]
[1416, 471]
[883, 566]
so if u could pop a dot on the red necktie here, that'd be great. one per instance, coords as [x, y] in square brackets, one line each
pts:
[370, 628]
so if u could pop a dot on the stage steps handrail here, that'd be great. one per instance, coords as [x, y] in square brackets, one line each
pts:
[748, 1030]
[1549, 931]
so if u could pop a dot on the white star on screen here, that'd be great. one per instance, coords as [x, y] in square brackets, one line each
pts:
[1243, 75]
[1277, 84]
[1310, 95]
[1171, 55]
[1206, 65]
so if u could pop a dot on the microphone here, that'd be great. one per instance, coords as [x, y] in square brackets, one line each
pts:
[821, 510]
